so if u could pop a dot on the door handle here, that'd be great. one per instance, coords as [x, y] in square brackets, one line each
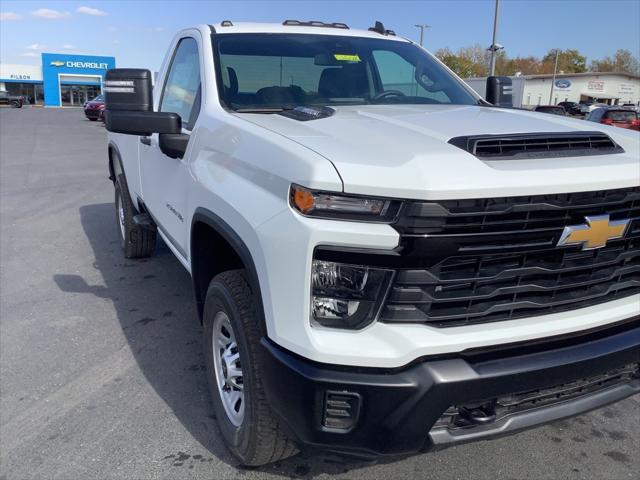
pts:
[145, 140]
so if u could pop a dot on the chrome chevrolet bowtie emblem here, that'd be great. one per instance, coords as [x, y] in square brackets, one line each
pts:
[595, 233]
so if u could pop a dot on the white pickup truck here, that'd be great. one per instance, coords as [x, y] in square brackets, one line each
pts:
[383, 262]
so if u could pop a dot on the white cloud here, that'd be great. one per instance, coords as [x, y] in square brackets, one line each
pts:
[29, 54]
[68, 46]
[91, 11]
[50, 14]
[35, 46]
[10, 16]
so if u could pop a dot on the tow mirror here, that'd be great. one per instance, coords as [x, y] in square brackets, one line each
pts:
[133, 122]
[128, 89]
[500, 91]
[129, 104]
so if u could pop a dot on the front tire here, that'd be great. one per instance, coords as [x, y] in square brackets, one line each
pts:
[232, 332]
[136, 241]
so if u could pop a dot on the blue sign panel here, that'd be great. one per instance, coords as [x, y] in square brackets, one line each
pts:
[60, 69]
[563, 83]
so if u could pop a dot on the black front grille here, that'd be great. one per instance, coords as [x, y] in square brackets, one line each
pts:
[506, 215]
[500, 260]
[516, 146]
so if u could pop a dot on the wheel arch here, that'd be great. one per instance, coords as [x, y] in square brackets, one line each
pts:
[209, 232]
[115, 161]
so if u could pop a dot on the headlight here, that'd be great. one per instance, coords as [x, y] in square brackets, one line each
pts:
[346, 296]
[313, 203]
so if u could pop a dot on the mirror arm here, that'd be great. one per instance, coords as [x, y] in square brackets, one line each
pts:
[173, 145]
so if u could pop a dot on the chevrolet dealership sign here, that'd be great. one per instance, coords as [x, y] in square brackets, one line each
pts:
[78, 64]
[60, 70]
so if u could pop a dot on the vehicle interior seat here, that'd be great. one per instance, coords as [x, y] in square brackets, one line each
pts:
[347, 81]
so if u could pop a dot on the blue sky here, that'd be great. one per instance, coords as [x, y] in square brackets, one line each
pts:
[137, 32]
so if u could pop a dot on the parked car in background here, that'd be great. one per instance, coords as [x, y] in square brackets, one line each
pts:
[632, 106]
[617, 116]
[94, 109]
[572, 108]
[553, 109]
[588, 107]
[16, 101]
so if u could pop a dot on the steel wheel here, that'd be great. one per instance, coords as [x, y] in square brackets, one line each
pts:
[228, 369]
[120, 212]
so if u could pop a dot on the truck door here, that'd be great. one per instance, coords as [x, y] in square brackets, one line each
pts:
[165, 180]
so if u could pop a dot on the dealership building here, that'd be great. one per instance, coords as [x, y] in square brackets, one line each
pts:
[601, 87]
[61, 80]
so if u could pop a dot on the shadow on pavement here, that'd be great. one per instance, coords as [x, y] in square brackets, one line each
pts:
[155, 306]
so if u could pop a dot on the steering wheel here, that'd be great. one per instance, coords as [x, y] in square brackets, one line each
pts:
[388, 93]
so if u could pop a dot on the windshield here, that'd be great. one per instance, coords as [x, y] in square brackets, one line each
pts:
[99, 98]
[287, 70]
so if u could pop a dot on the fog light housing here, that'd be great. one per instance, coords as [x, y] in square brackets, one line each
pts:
[346, 296]
[341, 411]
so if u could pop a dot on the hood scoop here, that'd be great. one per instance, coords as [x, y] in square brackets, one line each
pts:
[304, 114]
[538, 145]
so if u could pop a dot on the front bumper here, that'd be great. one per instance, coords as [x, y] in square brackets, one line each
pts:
[93, 113]
[395, 410]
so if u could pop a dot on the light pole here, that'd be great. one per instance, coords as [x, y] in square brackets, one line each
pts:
[553, 80]
[422, 27]
[494, 47]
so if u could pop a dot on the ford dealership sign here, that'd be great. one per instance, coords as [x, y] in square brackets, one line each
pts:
[563, 83]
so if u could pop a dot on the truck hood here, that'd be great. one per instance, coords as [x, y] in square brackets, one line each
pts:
[401, 151]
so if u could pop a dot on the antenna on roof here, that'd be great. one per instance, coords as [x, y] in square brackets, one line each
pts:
[226, 23]
[379, 28]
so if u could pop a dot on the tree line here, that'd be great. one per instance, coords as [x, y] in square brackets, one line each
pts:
[474, 62]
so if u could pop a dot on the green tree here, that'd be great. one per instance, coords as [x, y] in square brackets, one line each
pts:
[523, 65]
[462, 65]
[622, 61]
[467, 62]
[569, 61]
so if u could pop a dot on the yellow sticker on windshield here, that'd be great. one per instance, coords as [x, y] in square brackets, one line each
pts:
[346, 57]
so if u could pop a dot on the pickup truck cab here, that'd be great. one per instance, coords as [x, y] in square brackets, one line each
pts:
[16, 101]
[383, 262]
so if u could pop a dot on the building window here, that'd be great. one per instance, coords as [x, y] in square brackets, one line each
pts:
[27, 90]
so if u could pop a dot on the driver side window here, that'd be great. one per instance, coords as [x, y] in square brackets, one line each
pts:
[398, 74]
[182, 88]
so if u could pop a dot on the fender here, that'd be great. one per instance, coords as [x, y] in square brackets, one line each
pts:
[232, 238]
[117, 169]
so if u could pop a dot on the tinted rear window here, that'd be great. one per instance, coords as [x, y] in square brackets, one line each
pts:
[621, 116]
[550, 110]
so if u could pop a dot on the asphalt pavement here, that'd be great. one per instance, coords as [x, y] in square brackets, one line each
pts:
[101, 370]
